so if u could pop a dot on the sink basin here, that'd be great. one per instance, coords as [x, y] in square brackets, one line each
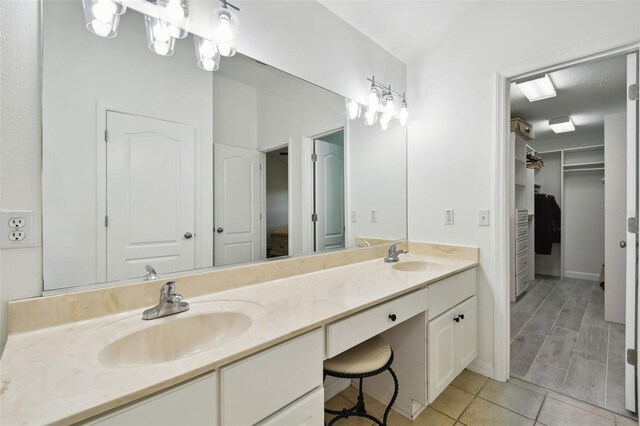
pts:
[417, 266]
[175, 338]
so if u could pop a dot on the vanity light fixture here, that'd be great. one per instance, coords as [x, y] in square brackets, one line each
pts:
[538, 88]
[225, 32]
[373, 99]
[159, 37]
[384, 105]
[562, 125]
[388, 106]
[353, 109]
[176, 14]
[103, 16]
[207, 53]
[403, 115]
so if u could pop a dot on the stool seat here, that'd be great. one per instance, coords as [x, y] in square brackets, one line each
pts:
[367, 357]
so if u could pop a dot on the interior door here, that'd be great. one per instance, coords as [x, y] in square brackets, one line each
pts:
[150, 196]
[633, 185]
[329, 195]
[237, 204]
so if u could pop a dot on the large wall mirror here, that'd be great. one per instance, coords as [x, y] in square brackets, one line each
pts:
[150, 160]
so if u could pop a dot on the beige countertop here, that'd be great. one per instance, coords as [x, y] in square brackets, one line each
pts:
[53, 375]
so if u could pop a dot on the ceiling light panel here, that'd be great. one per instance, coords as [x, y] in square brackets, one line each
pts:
[562, 125]
[540, 88]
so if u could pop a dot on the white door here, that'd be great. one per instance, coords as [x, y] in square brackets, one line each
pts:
[329, 195]
[150, 196]
[236, 204]
[633, 185]
[466, 333]
[442, 354]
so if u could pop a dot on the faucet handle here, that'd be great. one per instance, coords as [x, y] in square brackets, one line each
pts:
[168, 289]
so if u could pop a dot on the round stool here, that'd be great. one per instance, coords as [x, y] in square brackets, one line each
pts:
[367, 359]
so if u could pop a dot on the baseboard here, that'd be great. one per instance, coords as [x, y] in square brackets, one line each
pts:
[334, 386]
[482, 367]
[582, 275]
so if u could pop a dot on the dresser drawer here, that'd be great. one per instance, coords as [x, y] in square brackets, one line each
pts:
[522, 216]
[522, 262]
[348, 332]
[450, 291]
[522, 245]
[522, 281]
[522, 231]
[254, 388]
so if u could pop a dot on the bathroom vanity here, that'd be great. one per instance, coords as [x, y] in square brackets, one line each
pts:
[266, 367]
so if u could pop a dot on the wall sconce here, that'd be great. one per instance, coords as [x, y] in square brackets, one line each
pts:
[103, 16]
[381, 106]
[176, 14]
[207, 53]
[159, 37]
[226, 28]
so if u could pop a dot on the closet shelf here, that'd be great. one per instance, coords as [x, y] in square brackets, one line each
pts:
[596, 164]
[590, 169]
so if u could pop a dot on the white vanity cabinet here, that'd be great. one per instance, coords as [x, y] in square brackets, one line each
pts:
[452, 334]
[255, 388]
[193, 403]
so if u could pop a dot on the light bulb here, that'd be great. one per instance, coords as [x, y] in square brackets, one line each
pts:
[403, 115]
[207, 49]
[174, 10]
[209, 64]
[224, 36]
[161, 32]
[373, 100]
[104, 10]
[388, 107]
[101, 28]
[161, 47]
[353, 109]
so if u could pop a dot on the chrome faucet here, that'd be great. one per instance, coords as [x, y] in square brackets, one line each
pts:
[151, 273]
[394, 253]
[170, 303]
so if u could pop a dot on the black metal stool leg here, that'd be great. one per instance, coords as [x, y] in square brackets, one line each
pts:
[393, 399]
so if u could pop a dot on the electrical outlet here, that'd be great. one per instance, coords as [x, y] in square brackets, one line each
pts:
[374, 216]
[483, 217]
[16, 235]
[16, 229]
[448, 216]
[354, 215]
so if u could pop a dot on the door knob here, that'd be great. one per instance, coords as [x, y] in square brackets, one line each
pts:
[623, 244]
[219, 230]
[188, 235]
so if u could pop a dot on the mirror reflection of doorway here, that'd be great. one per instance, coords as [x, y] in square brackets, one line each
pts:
[277, 202]
[328, 191]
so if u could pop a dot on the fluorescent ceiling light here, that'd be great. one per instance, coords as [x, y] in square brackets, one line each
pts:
[540, 88]
[562, 125]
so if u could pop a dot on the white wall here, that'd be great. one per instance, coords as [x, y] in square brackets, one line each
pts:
[235, 113]
[84, 72]
[615, 216]
[567, 140]
[309, 41]
[452, 129]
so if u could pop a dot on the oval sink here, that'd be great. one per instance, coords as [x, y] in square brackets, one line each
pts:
[175, 338]
[417, 265]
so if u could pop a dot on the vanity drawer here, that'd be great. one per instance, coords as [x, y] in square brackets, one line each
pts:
[450, 291]
[522, 245]
[256, 387]
[522, 231]
[348, 332]
[522, 262]
[522, 216]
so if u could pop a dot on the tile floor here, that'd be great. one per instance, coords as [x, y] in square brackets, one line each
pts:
[474, 400]
[560, 340]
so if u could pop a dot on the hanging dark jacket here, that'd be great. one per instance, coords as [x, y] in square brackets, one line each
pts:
[547, 216]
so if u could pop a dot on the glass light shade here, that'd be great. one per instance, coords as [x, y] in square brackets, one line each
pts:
[121, 7]
[353, 109]
[384, 123]
[159, 37]
[370, 116]
[101, 17]
[373, 99]
[403, 115]
[388, 106]
[207, 54]
[225, 32]
[176, 14]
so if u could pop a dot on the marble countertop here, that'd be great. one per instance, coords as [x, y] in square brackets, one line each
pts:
[53, 375]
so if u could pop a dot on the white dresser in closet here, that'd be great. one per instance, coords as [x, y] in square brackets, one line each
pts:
[522, 251]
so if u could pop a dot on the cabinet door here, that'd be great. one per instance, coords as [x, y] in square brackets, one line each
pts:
[442, 349]
[307, 411]
[193, 403]
[466, 333]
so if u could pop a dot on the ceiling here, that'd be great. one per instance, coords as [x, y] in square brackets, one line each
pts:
[585, 92]
[404, 28]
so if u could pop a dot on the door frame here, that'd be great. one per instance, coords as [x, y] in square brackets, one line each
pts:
[263, 195]
[503, 181]
[307, 182]
[102, 109]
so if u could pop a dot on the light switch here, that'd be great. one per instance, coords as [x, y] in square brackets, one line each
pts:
[448, 216]
[354, 215]
[483, 217]
[374, 216]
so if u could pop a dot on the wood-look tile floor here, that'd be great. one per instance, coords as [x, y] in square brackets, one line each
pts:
[474, 400]
[560, 340]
